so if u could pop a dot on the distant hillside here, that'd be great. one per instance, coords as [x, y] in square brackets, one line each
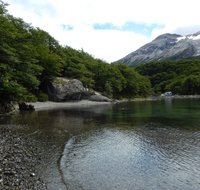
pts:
[180, 76]
[166, 46]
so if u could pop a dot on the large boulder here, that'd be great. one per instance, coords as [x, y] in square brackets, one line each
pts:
[62, 89]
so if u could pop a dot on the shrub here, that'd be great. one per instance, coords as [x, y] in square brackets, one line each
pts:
[42, 97]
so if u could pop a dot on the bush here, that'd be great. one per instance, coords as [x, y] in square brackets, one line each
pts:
[42, 97]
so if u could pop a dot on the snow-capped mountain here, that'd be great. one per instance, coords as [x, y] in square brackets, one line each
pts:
[166, 46]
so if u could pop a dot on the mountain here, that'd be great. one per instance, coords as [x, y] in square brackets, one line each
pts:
[166, 46]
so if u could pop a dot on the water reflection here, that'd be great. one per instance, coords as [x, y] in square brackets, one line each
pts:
[58, 123]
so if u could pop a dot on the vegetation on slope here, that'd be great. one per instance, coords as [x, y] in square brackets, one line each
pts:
[180, 77]
[30, 58]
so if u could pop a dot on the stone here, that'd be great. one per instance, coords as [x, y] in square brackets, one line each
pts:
[26, 107]
[32, 174]
[99, 98]
[62, 89]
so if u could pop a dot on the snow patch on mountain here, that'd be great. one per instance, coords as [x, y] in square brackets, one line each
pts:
[194, 37]
[180, 38]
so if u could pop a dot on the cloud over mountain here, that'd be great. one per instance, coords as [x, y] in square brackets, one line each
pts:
[123, 25]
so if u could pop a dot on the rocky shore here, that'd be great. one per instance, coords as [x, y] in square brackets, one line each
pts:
[19, 161]
[22, 156]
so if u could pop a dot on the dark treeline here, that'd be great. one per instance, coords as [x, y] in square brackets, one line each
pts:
[180, 77]
[30, 57]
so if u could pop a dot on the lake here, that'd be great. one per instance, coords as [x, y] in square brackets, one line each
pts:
[133, 145]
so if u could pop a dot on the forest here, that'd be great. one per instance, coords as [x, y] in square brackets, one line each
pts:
[31, 57]
[181, 77]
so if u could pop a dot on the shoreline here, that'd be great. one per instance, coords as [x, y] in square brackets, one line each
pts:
[158, 98]
[75, 104]
[22, 156]
[88, 103]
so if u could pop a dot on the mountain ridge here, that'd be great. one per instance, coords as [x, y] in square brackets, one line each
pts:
[165, 46]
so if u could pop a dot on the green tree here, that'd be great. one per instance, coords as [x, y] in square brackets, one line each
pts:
[135, 84]
[180, 77]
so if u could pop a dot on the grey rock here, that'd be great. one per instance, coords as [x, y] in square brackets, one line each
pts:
[99, 98]
[62, 89]
[32, 174]
[166, 46]
[26, 107]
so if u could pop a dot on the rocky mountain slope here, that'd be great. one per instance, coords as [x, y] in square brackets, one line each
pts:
[166, 46]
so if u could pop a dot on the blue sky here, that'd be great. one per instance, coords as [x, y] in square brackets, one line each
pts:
[108, 29]
[140, 28]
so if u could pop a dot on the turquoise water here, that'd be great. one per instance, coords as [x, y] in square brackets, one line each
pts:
[135, 145]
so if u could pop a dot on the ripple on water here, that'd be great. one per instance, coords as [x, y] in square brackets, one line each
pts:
[132, 159]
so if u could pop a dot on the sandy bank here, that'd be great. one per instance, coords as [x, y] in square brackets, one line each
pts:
[75, 104]
[87, 103]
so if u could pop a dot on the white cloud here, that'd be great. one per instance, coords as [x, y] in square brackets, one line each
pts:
[105, 44]
[110, 45]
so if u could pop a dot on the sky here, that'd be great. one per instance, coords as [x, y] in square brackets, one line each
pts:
[108, 29]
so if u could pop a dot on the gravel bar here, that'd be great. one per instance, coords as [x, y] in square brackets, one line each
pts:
[19, 161]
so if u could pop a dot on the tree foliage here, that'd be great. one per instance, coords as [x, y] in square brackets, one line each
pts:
[30, 58]
[180, 77]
